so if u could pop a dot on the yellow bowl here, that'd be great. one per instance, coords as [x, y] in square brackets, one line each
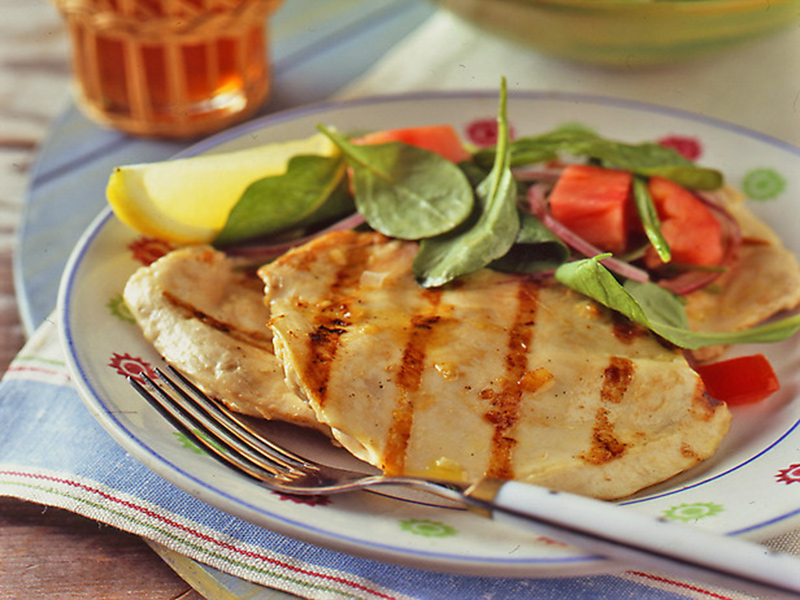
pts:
[629, 32]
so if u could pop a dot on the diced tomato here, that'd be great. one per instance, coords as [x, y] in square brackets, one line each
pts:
[693, 233]
[594, 203]
[441, 139]
[741, 380]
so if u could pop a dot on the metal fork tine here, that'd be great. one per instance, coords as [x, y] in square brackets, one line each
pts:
[217, 441]
[233, 424]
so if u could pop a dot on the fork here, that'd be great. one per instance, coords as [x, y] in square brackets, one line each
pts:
[603, 529]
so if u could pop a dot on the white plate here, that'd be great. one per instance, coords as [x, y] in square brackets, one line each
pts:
[748, 488]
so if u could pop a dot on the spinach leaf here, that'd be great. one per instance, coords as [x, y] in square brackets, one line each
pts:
[659, 310]
[647, 159]
[536, 249]
[658, 303]
[491, 231]
[649, 217]
[474, 172]
[313, 189]
[404, 191]
[535, 149]
[691, 177]
[651, 159]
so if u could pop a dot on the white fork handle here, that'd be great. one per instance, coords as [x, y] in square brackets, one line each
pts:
[636, 540]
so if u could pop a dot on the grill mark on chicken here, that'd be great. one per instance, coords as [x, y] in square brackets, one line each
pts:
[625, 330]
[254, 338]
[605, 446]
[334, 317]
[408, 379]
[504, 411]
[617, 377]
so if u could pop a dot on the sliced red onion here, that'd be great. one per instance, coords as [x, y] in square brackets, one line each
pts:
[537, 200]
[710, 198]
[539, 173]
[267, 252]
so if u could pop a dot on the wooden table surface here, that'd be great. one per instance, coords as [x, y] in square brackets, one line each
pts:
[47, 552]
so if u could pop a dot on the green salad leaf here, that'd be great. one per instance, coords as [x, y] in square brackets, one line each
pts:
[404, 191]
[647, 159]
[530, 150]
[649, 217]
[312, 190]
[654, 307]
[536, 249]
[491, 230]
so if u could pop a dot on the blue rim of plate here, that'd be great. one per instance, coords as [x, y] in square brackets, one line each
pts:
[138, 448]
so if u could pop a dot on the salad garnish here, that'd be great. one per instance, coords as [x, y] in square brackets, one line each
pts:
[505, 209]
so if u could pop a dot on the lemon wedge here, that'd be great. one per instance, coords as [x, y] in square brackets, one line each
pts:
[188, 200]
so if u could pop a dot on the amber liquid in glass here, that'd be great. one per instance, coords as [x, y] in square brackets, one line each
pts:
[180, 84]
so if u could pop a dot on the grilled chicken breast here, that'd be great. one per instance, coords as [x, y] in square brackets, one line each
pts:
[208, 319]
[494, 375]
